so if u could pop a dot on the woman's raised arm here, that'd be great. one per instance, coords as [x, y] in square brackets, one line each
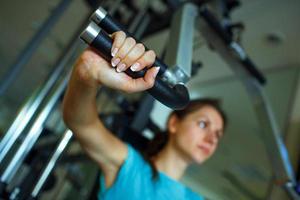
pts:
[90, 72]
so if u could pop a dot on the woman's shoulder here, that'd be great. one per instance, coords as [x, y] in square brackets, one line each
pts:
[134, 175]
[135, 160]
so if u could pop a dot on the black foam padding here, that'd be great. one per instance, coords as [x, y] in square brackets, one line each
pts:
[109, 25]
[175, 98]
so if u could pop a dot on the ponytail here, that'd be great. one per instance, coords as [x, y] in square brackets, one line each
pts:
[153, 148]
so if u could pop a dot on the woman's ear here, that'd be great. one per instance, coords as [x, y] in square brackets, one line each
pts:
[172, 124]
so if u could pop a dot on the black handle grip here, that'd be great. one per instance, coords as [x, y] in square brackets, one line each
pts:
[110, 25]
[175, 98]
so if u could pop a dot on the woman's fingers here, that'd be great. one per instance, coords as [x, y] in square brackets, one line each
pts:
[127, 53]
[135, 53]
[118, 40]
[146, 60]
[137, 59]
[96, 70]
[128, 44]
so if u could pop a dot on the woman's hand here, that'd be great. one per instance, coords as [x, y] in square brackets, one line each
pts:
[94, 70]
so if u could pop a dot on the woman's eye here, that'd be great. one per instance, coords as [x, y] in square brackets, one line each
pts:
[202, 124]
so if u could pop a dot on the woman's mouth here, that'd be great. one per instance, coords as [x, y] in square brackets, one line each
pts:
[204, 149]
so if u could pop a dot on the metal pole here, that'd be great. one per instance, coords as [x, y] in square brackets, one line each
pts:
[18, 125]
[113, 6]
[32, 45]
[291, 190]
[275, 147]
[36, 127]
[180, 45]
[28, 110]
[33, 134]
[138, 17]
[52, 161]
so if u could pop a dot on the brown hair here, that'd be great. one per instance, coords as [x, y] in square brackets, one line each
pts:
[160, 139]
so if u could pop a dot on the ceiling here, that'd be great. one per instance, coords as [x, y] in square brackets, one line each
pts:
[241, 168]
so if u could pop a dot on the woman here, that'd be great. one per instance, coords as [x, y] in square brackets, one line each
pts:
[193, 133]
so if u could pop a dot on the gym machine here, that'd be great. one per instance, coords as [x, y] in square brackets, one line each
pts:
[32, 119]
[222, 42]
[169, 89]
[32, 46]
[237, 59]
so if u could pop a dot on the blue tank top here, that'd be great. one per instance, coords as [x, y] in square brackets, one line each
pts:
[134, 182]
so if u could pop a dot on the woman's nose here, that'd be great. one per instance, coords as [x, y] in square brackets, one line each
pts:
[211, 138]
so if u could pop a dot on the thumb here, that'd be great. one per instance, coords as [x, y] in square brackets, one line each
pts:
[143, 83]
[150, 76]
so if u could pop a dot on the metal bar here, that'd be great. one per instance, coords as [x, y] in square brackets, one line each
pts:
[18, 125]
[291, 190]
[33, 134]
[137, 18]
[139, 26]
[32, 45]
[275, 147]
[52, 161]
[28, 110]
[142, 115]
[36, 127]
[114, 7]
[214, 23]
[180, 45]
[143, 26]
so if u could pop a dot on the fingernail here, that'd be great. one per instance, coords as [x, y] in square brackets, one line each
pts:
[121, 67]
[114, 52]
[156, 71]
[135, 67]
[115, 61]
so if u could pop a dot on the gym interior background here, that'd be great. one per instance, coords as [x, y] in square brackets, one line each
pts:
[241, 168]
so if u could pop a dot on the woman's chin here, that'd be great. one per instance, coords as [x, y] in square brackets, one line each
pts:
[200, 159]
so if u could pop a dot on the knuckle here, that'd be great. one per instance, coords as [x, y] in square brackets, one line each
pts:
[86, 59]
[130, 40]
[150, 57]
[151, 54]
[129, 58]
[83, 71]
[119, 37]
[123, 87]
[140, 47]
[120, 34]
[149, 85]
[128, 89]
[121, 54]
[86, 55]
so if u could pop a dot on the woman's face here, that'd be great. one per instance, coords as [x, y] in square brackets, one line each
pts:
[197, 135]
